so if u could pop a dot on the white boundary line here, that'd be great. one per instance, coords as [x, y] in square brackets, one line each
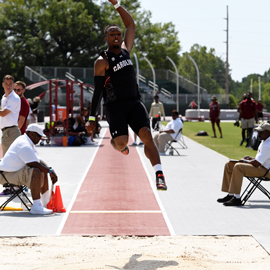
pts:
[117, 212]
[63, 221]
[170, 227]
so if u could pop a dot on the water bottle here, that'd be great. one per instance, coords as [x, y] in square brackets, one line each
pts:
[171, 152]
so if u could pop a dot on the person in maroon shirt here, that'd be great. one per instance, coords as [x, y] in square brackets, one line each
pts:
[19, 88]
[260, 109]
[193, 104]
[247, 113]
[214, 112]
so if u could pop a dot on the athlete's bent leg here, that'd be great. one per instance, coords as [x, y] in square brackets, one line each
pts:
[119, 143]
[150, 148]
[151, 152]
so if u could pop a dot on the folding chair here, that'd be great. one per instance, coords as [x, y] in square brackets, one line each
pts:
[255, 183]
[180, 141]
[20, 193]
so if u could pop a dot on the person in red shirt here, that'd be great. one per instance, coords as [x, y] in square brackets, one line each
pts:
[193, 104]
[214, 112]
[19, 88]
[247, 115]
[260, 109]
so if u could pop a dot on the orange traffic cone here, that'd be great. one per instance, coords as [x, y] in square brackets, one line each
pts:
[58, 203]
[50, 204]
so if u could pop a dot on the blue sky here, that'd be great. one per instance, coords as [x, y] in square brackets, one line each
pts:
[203, 22]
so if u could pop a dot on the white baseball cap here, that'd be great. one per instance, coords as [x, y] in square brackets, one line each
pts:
[263, 126]
[36, 128]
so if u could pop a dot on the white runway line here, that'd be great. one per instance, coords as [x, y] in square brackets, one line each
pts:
[164, 213]
[61, 226]
[117, 212]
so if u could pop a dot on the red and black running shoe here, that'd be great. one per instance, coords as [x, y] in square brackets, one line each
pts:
[160, 181]
[125, 151]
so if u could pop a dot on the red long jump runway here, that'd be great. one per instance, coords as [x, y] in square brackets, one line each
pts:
[116, 198]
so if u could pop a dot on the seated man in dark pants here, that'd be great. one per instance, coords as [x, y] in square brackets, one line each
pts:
[234, 171]
[79, 125]
[21, 166]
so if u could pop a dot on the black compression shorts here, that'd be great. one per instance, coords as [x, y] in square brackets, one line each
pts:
[121, 114]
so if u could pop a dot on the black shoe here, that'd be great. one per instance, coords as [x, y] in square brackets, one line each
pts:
[233, 202]
[225, 199]
[242, 142]
[160, 181]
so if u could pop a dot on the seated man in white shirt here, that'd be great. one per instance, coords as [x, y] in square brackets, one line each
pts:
[21, 166]
[169, 133]
[234, 171]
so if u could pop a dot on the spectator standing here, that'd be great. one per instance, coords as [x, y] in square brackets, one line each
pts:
[156, 110]
[31, 117]
[247, 115]
[260, 110]
[10, 109]
[169, 133]
[19, 88]
[244, 97]
[214, 112]
[193, 104]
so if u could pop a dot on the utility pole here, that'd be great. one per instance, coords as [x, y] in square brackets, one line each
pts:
[227, 58]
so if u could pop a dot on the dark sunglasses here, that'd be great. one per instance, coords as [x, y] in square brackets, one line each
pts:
[18, 90]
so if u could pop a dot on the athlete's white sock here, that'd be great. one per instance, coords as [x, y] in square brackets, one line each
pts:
[157, 167]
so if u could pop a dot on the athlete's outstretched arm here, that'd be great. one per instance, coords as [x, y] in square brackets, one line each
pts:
[99, 79]
[129, 24]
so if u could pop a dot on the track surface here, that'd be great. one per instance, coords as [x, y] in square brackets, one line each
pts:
[116, 198]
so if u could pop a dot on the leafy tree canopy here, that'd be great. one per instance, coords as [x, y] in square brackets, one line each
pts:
[211, 68]
[71, 33]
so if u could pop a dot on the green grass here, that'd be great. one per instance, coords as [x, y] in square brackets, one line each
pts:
[228, 146]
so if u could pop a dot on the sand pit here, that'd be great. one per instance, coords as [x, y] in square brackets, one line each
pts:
[149, 253]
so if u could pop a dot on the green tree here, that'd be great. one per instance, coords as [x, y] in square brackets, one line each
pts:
[265, 96]
[266, 76]
[211, 68]
[71, 33]
[232, 102]
[51, 32]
